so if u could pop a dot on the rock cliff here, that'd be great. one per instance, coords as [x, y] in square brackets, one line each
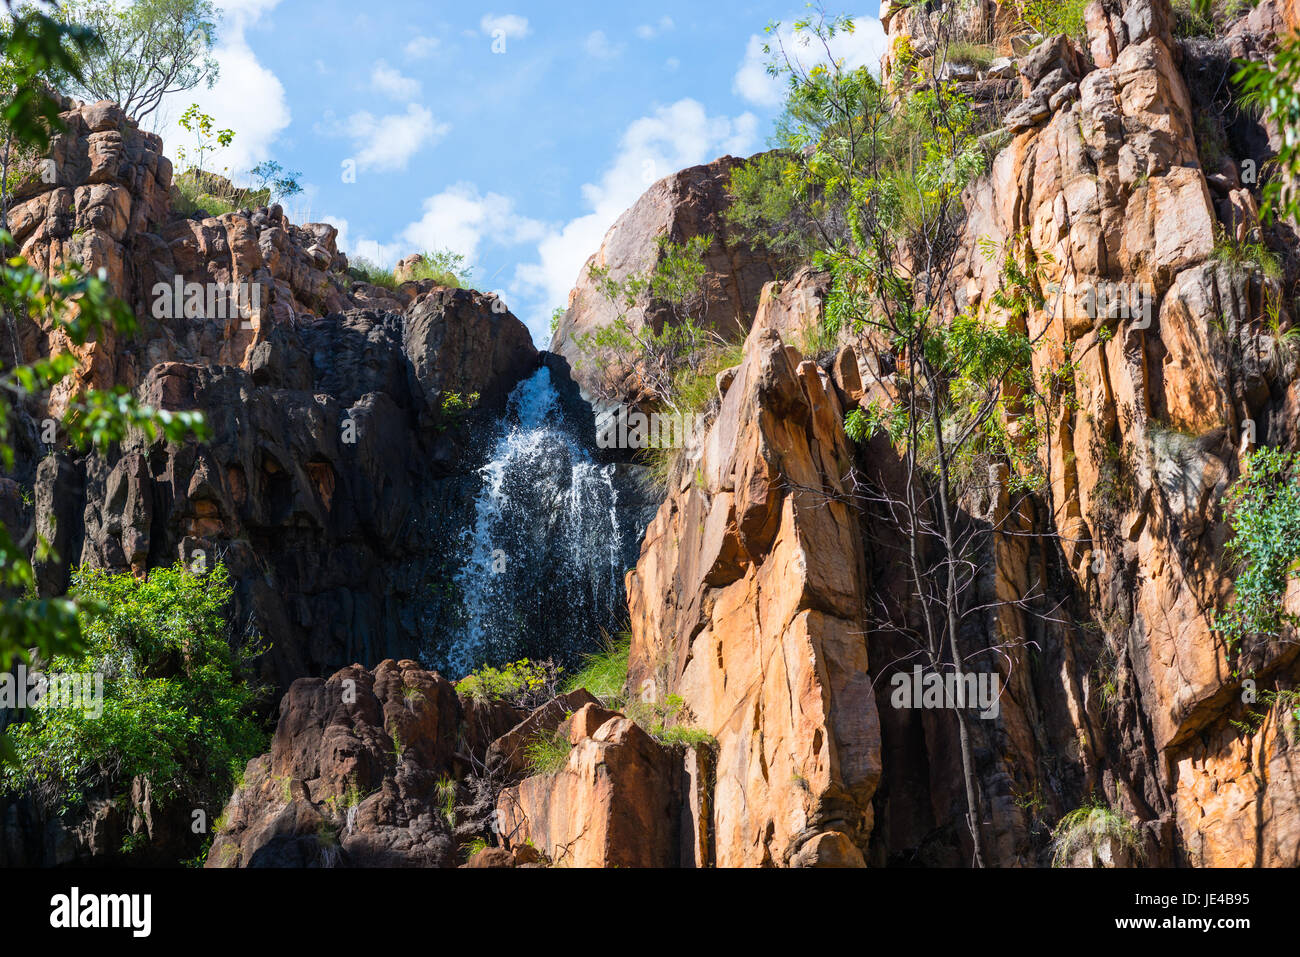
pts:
[764, 605]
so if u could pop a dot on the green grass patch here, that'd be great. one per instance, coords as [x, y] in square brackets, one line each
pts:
[363, 270]
[443, 266]
[212, 195]
[1246, 256]
[694, 391]
[1053, 17]
[965, 53]
[1089, 827]
[547, 753]
[604, 672]
[667, 722]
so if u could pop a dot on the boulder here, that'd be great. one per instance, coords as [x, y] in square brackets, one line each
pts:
[617, 802]
[352, 777]
[684, 205]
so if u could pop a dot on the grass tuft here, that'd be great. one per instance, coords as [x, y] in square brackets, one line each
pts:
[1088, 827]
[548, 753]
[604, 672]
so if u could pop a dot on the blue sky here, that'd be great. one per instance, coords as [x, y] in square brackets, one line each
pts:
[519, 159]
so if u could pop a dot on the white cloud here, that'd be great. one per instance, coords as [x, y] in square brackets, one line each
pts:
[671, 138]
[863, 47]
[247, 97]
[420, 46]
[461, 219]
[648, 31]
[382, 254]
[387, 143]
[599, 46]
[509, 24]
[390, 82]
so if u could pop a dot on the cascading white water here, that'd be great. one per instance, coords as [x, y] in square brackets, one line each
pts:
[541, 569]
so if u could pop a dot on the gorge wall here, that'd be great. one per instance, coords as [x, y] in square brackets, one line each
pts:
[762, 605]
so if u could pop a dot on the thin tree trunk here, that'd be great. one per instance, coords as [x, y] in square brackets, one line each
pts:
[954, 625]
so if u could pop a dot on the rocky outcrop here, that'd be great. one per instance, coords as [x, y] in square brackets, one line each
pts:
[766, 604]
[620, 800]
[331, 484]
[685, 205]
[356, 776]
[389, 768]
[748, 603]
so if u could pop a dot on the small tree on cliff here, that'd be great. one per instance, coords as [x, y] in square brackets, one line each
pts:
[681, 344]
[876, 173]
[146, 50]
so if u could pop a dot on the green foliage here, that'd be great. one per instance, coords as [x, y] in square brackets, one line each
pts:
[146, 50]
[523, 683]
[454, 407]
[211, 195]
[1206, 18]
[682, 345]
[557, 315]
[987, 365]
[1263, 510]
[174, 708]
[38, 54]
[1274, 91]
[276, 182]
[1287, 703]
[1246, 256]
[763, 210]
[1088, 827]
[686, 736]
[547, 752]
[445, 790]
[858, 425]
[363, 270]
[444, 267]
[874, 419]
[340, 804]
[1053, 17]
[675, 363]
[207, 138]
[668, 722]
[694, 392]
[897, 174]
[604, 672]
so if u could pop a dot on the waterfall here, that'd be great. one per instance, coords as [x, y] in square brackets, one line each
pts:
[541, 564]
